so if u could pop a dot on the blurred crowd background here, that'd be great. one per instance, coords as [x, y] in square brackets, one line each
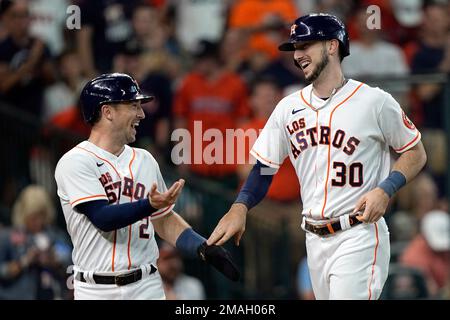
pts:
[214, 61]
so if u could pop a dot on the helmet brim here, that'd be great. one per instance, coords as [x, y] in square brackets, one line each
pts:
[139, 97]
[287, 46]
[144, 99]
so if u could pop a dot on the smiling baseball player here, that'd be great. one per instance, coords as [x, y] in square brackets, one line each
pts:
[337, 134]
[114, 199]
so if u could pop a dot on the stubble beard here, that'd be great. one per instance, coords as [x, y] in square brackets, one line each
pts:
[131, 138]
[320, 66]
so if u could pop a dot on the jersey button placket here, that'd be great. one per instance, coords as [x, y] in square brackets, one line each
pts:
[321, 157]
[122, 173]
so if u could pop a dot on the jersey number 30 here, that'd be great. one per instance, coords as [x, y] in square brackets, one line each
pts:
[353, 173]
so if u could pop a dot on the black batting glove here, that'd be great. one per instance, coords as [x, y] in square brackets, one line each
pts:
[220, 259]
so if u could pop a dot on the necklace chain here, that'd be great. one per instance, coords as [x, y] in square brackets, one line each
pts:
[331, 96]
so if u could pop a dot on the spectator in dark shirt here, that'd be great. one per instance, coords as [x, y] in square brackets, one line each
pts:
[428, 58]
[105, 26]
[154, 129]
[25, 63]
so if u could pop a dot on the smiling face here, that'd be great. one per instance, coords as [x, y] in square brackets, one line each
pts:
[125, 117]
[312, 58]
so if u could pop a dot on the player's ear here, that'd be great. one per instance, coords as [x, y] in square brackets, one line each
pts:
[106, 111]
[333, 47]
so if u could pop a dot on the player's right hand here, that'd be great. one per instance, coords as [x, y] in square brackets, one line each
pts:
[231, 224]
[373, 205]
[161, 200]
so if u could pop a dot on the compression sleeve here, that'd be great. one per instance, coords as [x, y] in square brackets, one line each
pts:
[111, 217]
[256, 186]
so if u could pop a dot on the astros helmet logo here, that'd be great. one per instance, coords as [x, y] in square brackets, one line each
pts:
[293, 29]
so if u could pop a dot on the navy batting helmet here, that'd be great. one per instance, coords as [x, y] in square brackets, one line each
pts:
[109, 88]
[318, 26]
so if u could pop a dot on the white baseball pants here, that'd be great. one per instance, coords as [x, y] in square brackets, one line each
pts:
[350, 264]
[148, 288]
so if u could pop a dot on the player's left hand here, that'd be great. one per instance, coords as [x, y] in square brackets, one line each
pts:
[161, 200]
[374, 204]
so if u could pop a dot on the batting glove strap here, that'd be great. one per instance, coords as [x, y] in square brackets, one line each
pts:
[220, 259]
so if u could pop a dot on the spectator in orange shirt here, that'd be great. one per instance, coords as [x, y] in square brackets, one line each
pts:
[263, 20]
[210, 98]
[265, 95]
[70, 120]
[279, 209]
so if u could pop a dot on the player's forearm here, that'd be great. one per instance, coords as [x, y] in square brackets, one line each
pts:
[411, 162]
[407, 166]
[170, 227]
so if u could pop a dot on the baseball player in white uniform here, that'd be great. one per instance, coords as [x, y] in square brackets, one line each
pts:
[114, 199]
[337, 134]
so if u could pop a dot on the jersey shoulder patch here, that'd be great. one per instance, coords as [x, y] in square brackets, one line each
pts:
[408, 123]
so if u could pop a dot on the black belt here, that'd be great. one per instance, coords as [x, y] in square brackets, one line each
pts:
[120, 280]
[329, 228]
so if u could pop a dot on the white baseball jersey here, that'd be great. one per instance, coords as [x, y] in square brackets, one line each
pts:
[88, 173]
[339, 148]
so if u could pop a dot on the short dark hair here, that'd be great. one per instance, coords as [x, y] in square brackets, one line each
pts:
[96, 117]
